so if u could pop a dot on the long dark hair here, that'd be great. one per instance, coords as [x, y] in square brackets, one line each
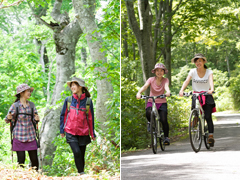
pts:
[202, 59]
[84, 90]
[18, 97]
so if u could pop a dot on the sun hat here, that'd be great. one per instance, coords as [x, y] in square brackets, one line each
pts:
[161, 66]
[23, 87]
[78, 80]
[199, 55]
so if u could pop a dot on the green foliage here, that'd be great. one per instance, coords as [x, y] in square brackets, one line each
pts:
[133, 120]
[100, 156]
[235, 91]
[178, 114]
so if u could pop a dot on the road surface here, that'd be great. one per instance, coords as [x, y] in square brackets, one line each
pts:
[179, 161]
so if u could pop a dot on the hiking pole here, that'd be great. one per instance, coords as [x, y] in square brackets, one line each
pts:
[11, 139]
[38, 143]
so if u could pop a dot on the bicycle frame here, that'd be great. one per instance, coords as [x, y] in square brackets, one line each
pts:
[201, 115]
[154, 109]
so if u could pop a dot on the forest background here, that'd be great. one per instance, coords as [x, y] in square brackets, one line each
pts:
[172, 32]
[44, 44]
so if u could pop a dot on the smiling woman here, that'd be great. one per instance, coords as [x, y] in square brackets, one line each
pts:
[158, 85]
[77, 121]
[23, 124]
[202, 81]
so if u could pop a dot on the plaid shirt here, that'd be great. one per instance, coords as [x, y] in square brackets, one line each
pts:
[24, 130]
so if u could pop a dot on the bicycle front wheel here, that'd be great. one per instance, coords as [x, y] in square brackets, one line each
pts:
[161, 139]
[153, 129]
[207, 145]
[195, 131]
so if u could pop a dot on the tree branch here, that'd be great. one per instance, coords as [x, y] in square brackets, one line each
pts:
[13, 4]
[63, 19]
[51, 25]
[132, 19]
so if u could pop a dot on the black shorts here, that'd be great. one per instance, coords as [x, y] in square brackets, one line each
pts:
[82, 140]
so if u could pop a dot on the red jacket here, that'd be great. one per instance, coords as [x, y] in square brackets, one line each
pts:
[75, 121]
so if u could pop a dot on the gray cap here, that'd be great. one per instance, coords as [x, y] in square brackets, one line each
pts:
[78, 80]
[199, 55]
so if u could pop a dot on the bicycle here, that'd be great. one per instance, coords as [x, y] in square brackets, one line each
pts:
[156, 128]
[198, 127]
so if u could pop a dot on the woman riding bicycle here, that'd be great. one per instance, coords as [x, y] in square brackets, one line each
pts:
[158, 85]
[202, 81]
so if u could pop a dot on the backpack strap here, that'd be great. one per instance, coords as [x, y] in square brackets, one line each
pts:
[69, 102]
[32, 114]
[87, 110]
[88, 104]
[15, 116]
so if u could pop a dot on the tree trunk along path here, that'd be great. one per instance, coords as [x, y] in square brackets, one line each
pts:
[179, 161]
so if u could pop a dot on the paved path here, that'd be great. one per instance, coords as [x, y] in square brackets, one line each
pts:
[179, 161]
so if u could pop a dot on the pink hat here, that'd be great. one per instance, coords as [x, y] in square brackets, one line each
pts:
[23, 87]
[161, 66]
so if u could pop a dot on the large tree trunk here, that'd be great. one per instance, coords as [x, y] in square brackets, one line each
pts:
[87, 23]
[66, 36]
[143, 34]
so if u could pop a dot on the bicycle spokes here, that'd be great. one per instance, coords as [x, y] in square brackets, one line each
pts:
[195, 132]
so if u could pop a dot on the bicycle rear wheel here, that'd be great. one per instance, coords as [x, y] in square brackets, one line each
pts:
[195, 131]
[153, 129]
[161, 139]
[207, 145]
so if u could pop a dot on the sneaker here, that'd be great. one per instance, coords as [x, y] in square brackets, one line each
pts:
[148, 127]
[194, 122]
[211, 140]
[166, 141]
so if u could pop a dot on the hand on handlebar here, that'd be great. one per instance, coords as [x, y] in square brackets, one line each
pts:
[168, 94]
[181, 93]
[138, 96]
[210, 92]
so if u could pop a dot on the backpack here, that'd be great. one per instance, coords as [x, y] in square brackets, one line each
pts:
[69, 101]
[13, 124]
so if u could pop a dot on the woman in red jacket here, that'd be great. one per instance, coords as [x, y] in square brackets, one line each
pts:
[75, 122]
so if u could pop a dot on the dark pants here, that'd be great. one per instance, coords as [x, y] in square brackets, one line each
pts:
[79, 153]
[163, 119]
[208, 116]
[32, 155]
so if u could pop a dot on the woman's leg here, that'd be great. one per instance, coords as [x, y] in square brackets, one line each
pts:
[208, 116]
[82, 149]
[163, 119]
[78, 152]
[148, 113]
[33, 158]
[21, 158]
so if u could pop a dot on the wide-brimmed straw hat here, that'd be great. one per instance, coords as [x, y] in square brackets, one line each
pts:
[197, 56]
[161, 66]
[78, 80]
[23, 87]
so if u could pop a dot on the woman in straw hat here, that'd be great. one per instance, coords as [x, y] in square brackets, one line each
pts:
[74, 122]
[24, 135]
[158, 85]
[202, 81]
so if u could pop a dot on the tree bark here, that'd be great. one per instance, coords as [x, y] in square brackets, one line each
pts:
[143, 34]
[66, 36]
[84, 56]
[87, 23]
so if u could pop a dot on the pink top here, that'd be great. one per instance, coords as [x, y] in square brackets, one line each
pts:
[156, 90]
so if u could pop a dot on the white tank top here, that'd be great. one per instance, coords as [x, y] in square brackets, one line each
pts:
[200, 84]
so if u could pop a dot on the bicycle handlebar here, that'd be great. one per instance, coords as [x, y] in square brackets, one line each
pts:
[198, 94]
[154, 97]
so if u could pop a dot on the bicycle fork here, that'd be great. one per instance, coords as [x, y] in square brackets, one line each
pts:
[157, 121]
